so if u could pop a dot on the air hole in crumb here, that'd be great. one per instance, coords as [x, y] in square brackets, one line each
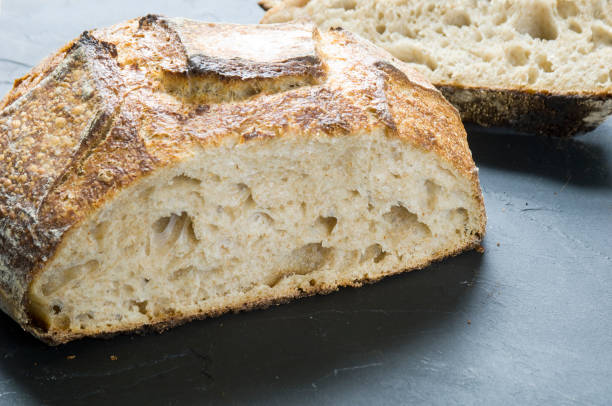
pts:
[302, 261]
[403, 220]
[544, 63]
[517, 55]
[381, 28]
[161, 224]
[309, 258]
[262, 218]
[567, 8]
[601, 35]
[169, 229]
[56, 309]
[186, 181]
[326, 223]
[380, 257]
[142, 306]
[500, 19]
[99, 231]
[345, 4]
[537, 21]
[64, 276]
[312, 282]
[399, 215]
[459, 216]
[350, 4]
[458, 18]
[574, 26]
[373, 253]
[414, 54]
[249, 203]
[181, 273]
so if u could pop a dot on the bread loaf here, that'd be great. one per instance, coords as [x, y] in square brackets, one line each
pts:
[536, 66]
[165, 169]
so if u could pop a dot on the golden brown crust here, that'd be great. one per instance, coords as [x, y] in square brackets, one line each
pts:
[103, 117]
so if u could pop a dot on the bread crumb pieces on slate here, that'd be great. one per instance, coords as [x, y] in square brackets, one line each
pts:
[70, 357]
[469, 321]
[498, 244]
[480, 249]
[114, 357]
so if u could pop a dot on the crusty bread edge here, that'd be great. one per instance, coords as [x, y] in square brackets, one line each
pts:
[535, 112]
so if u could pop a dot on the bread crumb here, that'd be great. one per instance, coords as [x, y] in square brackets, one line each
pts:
[469, 322]
[114, 357]
[480, 249]
[498, 244]
[71, 357]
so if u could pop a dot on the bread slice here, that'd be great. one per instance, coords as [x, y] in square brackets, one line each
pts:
[536, 66]
[165, 169]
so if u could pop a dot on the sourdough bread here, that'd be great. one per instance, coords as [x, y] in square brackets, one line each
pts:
[165, 169]
[537, 66]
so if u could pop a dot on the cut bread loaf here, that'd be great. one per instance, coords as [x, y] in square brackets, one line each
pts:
[164, 169]
[537, 66]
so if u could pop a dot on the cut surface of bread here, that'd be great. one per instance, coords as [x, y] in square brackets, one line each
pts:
[239, 224]
[173, 176]
[538, 64]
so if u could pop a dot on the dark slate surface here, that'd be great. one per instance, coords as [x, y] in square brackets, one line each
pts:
[528, 322]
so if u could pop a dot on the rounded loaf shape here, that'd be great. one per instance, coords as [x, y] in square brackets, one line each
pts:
[165, 169]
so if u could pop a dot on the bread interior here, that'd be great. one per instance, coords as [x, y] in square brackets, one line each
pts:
[559, 46]
[243, 224]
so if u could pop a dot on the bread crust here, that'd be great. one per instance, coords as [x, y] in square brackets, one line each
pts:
[98, 117]
[560, 115]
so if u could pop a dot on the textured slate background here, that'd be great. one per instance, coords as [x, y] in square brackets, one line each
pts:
[527, 322]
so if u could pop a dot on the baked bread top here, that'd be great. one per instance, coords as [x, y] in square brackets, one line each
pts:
[117, 103]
